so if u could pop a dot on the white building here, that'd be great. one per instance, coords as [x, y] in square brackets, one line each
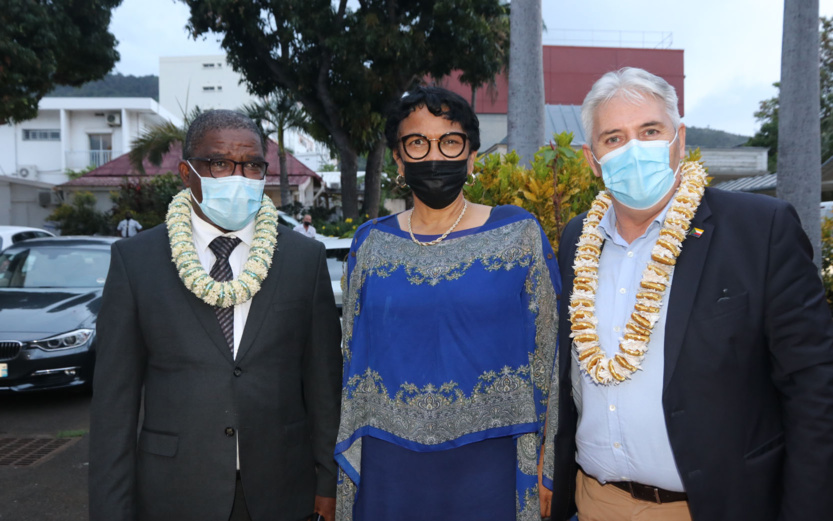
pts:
[75, 133]
[67, 134]
[209, 82]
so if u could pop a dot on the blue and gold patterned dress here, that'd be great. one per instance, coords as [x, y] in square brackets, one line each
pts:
[449, 353]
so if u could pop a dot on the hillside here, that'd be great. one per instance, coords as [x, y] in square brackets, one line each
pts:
[710, 138]
[114, 86]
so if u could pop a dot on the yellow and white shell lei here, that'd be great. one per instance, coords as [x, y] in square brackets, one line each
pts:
[200, 283]
[655, 281]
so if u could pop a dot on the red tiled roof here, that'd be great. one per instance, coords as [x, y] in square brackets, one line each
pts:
[112, 173]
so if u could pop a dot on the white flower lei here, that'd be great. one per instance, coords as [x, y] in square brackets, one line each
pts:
[655, 279]
[194, 276]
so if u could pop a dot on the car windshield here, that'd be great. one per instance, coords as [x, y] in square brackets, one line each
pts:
[51, 267]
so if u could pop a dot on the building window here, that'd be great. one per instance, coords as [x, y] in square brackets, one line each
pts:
[101, 149]
[208, 65]
[208, 89]
[30, 134]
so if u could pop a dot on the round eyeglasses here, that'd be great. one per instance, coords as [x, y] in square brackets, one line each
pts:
[417, 146]
[225, 167]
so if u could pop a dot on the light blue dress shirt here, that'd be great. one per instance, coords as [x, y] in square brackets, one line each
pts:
[621, 431]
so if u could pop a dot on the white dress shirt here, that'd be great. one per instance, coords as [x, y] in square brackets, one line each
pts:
[309, 231]
[204, 233]
[621, 432]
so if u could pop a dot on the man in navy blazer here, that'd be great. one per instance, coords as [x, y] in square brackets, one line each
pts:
[203, 410]
[711, 394]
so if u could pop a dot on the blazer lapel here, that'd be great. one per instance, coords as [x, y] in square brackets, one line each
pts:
[208, 319]
[260, 303]
[686, 280]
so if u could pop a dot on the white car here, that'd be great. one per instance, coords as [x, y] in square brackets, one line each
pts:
[14, 234]
[337, 252]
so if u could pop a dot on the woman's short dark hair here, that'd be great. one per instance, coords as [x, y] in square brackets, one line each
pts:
[440, 102]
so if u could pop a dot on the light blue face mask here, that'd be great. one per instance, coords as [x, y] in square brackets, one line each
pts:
[230, 202]
[639, 174]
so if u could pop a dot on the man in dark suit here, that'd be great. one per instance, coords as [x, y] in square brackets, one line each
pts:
[218, 345]
[710, 396]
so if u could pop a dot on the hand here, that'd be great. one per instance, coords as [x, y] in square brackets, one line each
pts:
[544, 494]
[326, 506]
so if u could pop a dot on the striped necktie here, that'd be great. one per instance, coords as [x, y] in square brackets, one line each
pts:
[221, 272]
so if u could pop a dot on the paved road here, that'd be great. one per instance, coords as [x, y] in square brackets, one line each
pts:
[56, 488]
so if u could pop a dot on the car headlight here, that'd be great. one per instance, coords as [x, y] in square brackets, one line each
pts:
[67, 340]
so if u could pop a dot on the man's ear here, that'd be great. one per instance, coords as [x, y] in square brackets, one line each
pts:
[184, 173]
[588, 155]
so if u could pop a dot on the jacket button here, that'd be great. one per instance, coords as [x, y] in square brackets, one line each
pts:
[237, 371]
[549, 255]
[229, 431]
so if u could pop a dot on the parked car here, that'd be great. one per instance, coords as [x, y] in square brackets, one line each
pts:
[50, 295]
[337, 252]
[287, 220]
[14, 234]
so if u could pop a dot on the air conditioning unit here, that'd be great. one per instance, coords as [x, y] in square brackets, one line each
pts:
[113, 119]
[48, 198]
[28, 172]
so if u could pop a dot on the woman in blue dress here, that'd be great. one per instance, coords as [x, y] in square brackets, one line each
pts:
[449, 340]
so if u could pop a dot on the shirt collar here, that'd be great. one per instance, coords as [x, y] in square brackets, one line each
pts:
[205, 232]
[608, 223]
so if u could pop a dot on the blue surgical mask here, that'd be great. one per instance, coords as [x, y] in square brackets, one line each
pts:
[230, 202]
[639, 174]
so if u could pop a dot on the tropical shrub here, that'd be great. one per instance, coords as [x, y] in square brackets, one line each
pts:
[558, 186]
[147, 199]
[827, 258]
[80, 217]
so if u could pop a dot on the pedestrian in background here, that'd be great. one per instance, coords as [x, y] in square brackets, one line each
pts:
[128, 227]
[306, 228]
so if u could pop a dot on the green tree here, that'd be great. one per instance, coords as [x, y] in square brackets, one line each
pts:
[147, 199]
[347, 65]
[80, 217]
[156, 141]
[276, 114]
[767, 113]
[44, 43]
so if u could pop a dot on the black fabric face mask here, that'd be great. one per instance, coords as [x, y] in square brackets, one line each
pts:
[436, 183]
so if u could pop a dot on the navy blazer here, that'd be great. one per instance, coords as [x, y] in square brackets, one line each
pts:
[748, 377]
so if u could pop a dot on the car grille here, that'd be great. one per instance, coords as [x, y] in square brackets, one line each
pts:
[9, 350]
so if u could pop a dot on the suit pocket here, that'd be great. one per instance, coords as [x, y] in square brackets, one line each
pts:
[158, 443]
[296, 433]
[727, 307]
[774, 444]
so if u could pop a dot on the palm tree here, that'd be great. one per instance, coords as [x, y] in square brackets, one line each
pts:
[525, 115]
[156, 141]
[275, 115]
[799, 142]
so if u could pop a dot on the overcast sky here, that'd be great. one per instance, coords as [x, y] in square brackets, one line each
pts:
[732, 47]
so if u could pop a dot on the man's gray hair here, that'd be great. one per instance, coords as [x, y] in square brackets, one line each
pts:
[218, 120]
[632, 84]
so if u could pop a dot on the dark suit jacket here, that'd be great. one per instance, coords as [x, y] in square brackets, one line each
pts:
[279, 398]
[748, 379]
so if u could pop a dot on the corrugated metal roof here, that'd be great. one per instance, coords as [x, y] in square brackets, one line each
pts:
[757, 183]
[564, 118]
